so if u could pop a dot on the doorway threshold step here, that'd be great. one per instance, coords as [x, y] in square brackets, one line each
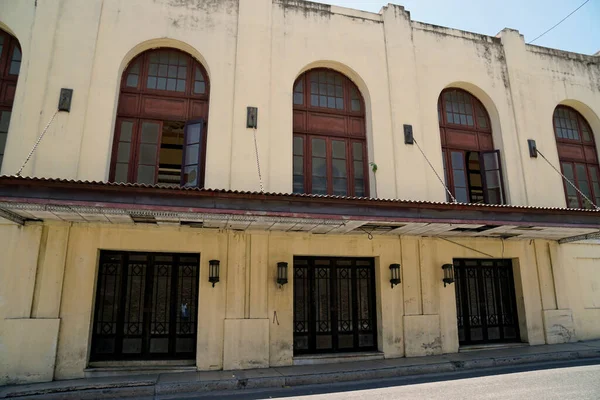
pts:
[314, 359]
[492, 346]
[109, 371]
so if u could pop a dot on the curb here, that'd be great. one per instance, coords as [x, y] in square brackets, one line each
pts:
[150, 388]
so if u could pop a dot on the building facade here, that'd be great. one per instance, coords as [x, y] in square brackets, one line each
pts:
[236, 184]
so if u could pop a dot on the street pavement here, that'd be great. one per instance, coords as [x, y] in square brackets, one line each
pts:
[578, 379]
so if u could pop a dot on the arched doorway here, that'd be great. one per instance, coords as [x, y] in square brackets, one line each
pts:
[330, 146]
[471, 165]
[10, 65]
[160, 132]
[578, 156]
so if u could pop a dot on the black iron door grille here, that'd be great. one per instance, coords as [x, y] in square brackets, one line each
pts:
[334, 305]
[146, 306]
[485, 302]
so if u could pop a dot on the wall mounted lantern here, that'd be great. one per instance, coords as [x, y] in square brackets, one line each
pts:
[395, 274]
[282, 278]
[448, 274]
[213, 271]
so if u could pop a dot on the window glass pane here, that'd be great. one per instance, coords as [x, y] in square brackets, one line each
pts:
[457, 160]
[572, 199]
[314, 100]
[150, 132]
[319, 167]
[298, 99]
[151, 82]
[132, 80]
[340, 187]
[15, 64]
[161, 83]
[595, 183]
[3, 137]
[359, 187]
[583, 183]
[146, 174]
[318, 147]
[148, 154]
[565, 124]
[319, 185]
[359, 169]
[298, 146]
[491, 161]
[171, 84]
[180, 85]
[298, 165]
[4, 121]
[162, 70]
[459, 178]
[192, 153]
[199, 76]
[339, 149]
[339, 168]
[123, 152]
[459, 108]
[461, 195]
[121, 171]
[190, 175]
[199, 87]
[298, 184]
[193, 133]
[357, 149]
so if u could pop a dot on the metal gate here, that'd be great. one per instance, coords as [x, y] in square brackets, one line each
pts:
[146, 307]
[486, 302]
[334, 305]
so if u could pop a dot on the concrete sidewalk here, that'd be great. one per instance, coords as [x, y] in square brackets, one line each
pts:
[171, 385]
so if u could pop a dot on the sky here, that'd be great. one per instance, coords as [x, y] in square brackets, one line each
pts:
[580, 33]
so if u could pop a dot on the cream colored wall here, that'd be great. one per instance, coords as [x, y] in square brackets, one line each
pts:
[49, 279]
[253, 51]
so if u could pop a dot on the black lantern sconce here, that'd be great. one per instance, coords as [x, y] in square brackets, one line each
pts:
[395, 274]
[448, 274]
[282, 278]
[213, 271]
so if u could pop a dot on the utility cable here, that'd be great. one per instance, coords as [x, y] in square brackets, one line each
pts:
[560, 22]
[467, 247]
[36, 143]
[568, 180]
[436, 174]
[262, 189]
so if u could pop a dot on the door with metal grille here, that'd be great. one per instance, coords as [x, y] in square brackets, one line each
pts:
[334, 305]
[486, 302]
[146, 306]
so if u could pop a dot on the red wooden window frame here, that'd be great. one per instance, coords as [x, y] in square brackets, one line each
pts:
[578, 152]
[133, 107]
[8, 83]
[465, 138]
[353, 132]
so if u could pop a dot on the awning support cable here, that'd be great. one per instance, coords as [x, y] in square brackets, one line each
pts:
[262, 189]
[436, 174]
[568, 180]
[36, 144]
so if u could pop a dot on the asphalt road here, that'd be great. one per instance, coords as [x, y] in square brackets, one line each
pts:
[579, 379]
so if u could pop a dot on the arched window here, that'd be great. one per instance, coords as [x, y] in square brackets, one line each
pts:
[471, 165]
[10, 64]
[578, 156]
[160, 133]
[330, 146]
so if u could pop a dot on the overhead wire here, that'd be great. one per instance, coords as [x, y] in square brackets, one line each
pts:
[560, 22]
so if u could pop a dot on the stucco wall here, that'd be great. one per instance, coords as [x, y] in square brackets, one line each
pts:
[49, 274]
[253, 50]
